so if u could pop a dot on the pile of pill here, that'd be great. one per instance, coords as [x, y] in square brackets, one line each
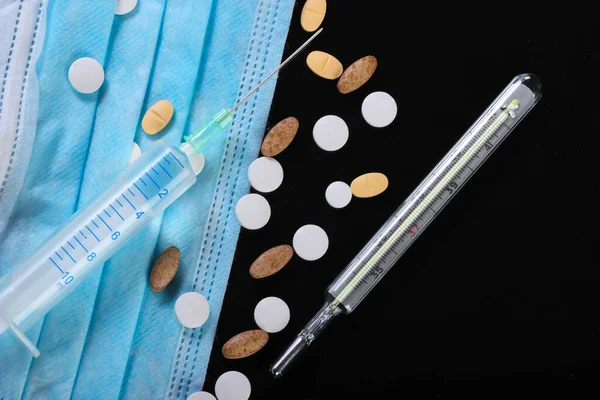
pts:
[265, 175]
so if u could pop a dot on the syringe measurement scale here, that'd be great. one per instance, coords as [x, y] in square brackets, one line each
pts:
[93, 234]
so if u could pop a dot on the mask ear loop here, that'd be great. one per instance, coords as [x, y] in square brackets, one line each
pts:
[21, 336]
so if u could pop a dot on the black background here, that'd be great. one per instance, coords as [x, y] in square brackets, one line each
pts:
[499, 297]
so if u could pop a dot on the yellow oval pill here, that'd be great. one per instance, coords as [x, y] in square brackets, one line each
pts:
[369, 185]
[313, 14]
[157, 117]
[325, 65]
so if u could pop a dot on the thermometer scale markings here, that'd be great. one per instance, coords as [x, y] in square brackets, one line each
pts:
[89, 252]
[424, 203]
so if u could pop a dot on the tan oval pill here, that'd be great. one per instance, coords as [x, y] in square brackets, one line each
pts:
[157, 117]
[245, 344]
[280, 137]
[369, 185]
[271, 261]
[164, 269]
[357, 74]
[325, 65]
[313, 14]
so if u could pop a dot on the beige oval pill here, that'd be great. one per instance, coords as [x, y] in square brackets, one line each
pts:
[369, 185]
[313, 14]
[325, 65]
[280, 137]
[164, 269]
[357, 74]
[157, 117]
[245, 344]
[271, 261]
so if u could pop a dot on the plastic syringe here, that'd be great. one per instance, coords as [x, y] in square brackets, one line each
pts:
[420, 208]
[93, 234]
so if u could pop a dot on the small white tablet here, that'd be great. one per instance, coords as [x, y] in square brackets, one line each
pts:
[338, 194]
[125, 6]
[233, 385]
[310, 242]
[265, 174]
[330, 133]
[192, 309]
[272, 314]
[86, 75]
[201, 396]
[253, 211]
[379, 109]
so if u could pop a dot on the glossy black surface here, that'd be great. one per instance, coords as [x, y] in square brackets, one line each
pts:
[500, 296]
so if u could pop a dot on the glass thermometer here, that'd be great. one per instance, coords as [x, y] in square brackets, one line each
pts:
[418, 210]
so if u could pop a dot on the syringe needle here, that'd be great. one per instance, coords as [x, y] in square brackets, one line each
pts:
[200, 138]
[287, 60]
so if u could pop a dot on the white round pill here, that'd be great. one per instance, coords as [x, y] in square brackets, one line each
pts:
[201, 396]
[265, 174]
[253, 211]
[330, 133]
[310, 242]
[233, 385]
[136, 152]
[272, 314]
[192, 309]
[338, 194]
[86, 75]
[379, 109]
[125, 6]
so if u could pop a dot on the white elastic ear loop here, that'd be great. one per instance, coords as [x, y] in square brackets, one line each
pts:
[21, 336]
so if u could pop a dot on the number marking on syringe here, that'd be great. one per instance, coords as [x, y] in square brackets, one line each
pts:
[106, 222]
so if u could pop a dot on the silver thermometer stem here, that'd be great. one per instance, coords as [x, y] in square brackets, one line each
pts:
[420, 208]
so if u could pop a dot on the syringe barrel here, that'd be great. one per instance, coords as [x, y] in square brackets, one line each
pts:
[435, 191]
[93, 234]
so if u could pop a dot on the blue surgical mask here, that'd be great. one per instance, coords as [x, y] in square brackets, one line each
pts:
[113, 337]
[21, 39]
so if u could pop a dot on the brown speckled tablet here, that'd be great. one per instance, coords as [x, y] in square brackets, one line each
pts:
[271, 261]
[245, 344]
[164, 269]
[357, 74]
[280, 137]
